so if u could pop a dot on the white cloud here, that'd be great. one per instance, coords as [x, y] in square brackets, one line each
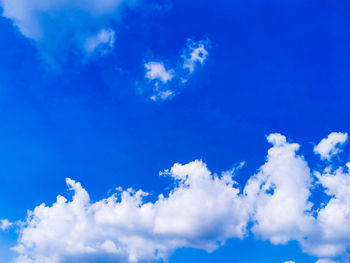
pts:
[329, 146]
[5, 224]
[289, 261]
[202, 211]
[56, 26]
[333, 219]
[156, 71]
[194, 54]
[162, 95]
[126, 227]
[279, 194]
[326, 261]
[159, 76]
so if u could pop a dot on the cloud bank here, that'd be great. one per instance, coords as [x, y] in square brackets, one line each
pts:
[124, 227]
[202, 211]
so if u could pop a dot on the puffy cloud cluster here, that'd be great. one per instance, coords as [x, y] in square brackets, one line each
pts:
[159, 77]
[59, 25]
[202, 211]
[332, 237]
[279, 194]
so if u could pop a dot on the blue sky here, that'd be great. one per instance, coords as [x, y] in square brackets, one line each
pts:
[76, 102]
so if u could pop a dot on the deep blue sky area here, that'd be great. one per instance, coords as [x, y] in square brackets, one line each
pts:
[273, 66]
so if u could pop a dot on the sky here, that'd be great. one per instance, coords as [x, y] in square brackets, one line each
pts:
[174, 131]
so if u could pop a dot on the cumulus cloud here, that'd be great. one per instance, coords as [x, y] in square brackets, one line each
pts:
[125, 227]
[194, 53]
[333, 219]
[329, 146]
[59, 25]
[201, 211]
[279, 194]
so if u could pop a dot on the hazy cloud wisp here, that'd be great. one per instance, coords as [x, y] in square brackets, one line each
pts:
[58, 27]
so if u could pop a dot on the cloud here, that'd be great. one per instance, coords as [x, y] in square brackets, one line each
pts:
[105, 38]
[201, 211]
[125, 227]
[59, 26]
[329, 146]
[279, 194]
[5, 224]
[333, 219]
[326, 261]
[195, 53]
[159, 77]
[162, 95]
[156, 71]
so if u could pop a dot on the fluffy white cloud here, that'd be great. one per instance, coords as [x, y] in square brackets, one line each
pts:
[332, 238]
[202, 211]
[279, 194]
[329, 146]
[125, 227]
[194, 53]
[59, 25]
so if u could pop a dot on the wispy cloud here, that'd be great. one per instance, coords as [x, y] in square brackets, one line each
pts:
[104, 40]
[5, 224]
[195, 53]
